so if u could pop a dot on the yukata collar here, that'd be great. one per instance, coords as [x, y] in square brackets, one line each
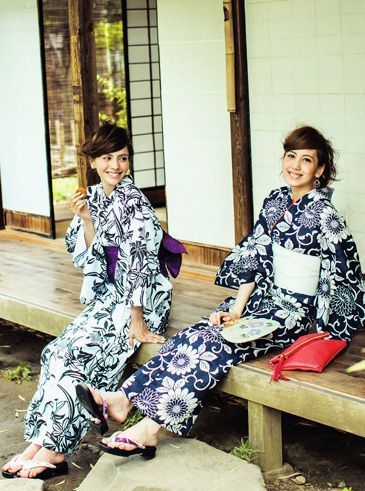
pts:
[101, 198]
[315, 194]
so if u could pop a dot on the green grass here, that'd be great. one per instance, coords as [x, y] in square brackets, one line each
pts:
[19, 373]
[64, 187]
[245, 452]
[133, 418]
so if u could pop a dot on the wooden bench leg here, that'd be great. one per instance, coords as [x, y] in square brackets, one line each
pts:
[264, 429]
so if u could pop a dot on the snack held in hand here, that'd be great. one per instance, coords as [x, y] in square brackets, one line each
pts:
[82, 191]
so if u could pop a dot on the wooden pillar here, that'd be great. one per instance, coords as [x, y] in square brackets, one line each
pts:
[264, 434]
[240, 129]
[2, 214]
[83, 75]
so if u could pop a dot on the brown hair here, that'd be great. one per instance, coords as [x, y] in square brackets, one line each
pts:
[107, 139]
[308, 137]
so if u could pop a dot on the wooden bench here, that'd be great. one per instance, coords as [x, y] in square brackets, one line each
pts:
[333, 398]
[39, 289]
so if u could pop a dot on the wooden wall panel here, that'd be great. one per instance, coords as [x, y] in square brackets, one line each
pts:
[28, 222]
[203, 254]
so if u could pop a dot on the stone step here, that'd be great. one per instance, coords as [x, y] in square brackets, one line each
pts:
[180, 465]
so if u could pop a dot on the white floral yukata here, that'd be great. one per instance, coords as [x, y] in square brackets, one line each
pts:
[94, 347]
[171, 386]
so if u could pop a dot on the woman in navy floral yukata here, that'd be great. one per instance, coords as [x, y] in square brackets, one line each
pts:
[297, 225]
[115, 238]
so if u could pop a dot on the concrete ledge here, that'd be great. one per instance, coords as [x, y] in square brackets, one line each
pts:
[180, 464]
[33, 316]
[23, 484]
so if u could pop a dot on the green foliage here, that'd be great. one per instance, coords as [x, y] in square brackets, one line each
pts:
[109, 41]
[109, 35]
[117, 97]
[245, 452]
[63, 188]
[133, 418]
[19, 373]
[346, 489]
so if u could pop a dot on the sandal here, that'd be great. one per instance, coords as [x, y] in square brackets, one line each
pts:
[16, 460]
[147, 452]
[52, 470]
[97, 419]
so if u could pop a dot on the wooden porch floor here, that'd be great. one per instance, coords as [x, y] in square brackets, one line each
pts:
[39, 286]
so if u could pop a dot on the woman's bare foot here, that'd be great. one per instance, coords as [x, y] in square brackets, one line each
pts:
[14, 465]
[118, 404]
[43, 455]
[145, 433]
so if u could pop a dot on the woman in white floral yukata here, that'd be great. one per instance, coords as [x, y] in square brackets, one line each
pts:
[297, 223]
[115, 238]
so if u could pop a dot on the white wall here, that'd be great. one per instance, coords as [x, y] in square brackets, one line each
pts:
[22, 131]
[195, 121]
[307, 65]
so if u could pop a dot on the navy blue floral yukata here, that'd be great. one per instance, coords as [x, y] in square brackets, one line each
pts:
[170, 387]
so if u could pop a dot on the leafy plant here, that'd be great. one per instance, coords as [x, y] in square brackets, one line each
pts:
[63, 188]
[346, 489]
[117, 97]
[133, 418]
[245, 452]
[19, 373]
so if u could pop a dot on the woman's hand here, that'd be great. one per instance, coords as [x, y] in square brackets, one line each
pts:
[227, 318]
[138, 329]
[79, 207]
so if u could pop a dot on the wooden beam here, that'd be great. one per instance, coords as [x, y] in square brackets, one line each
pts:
[2, 214]
[240, 130]
[230, 55]
[264, 430]
[83, 76]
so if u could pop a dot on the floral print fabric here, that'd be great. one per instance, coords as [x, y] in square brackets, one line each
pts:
[171, 386]
[311, 226]
[94, 347]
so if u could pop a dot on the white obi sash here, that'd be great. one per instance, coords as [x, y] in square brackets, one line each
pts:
[295, 271]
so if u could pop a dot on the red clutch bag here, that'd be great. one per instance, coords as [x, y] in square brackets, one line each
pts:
[311, 352]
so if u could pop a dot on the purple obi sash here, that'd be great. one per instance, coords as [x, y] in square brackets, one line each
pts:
[111, 254]
[169, 256]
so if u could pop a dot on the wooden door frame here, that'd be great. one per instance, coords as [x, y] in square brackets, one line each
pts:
[2, 216]
[52, 219]
[240, 130]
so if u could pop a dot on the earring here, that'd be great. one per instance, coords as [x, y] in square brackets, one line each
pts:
[316, 182]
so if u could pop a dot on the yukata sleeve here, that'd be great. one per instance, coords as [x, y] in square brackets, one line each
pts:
[75, 242]
[251, 259]
[138, 254]
[340, 294]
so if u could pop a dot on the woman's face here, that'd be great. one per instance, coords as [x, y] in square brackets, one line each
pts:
[300, 168]
[111, 168]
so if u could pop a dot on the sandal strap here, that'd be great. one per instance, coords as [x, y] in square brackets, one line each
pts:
[16, 460]
[32, 464]
[125, 439]
[105, 405]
